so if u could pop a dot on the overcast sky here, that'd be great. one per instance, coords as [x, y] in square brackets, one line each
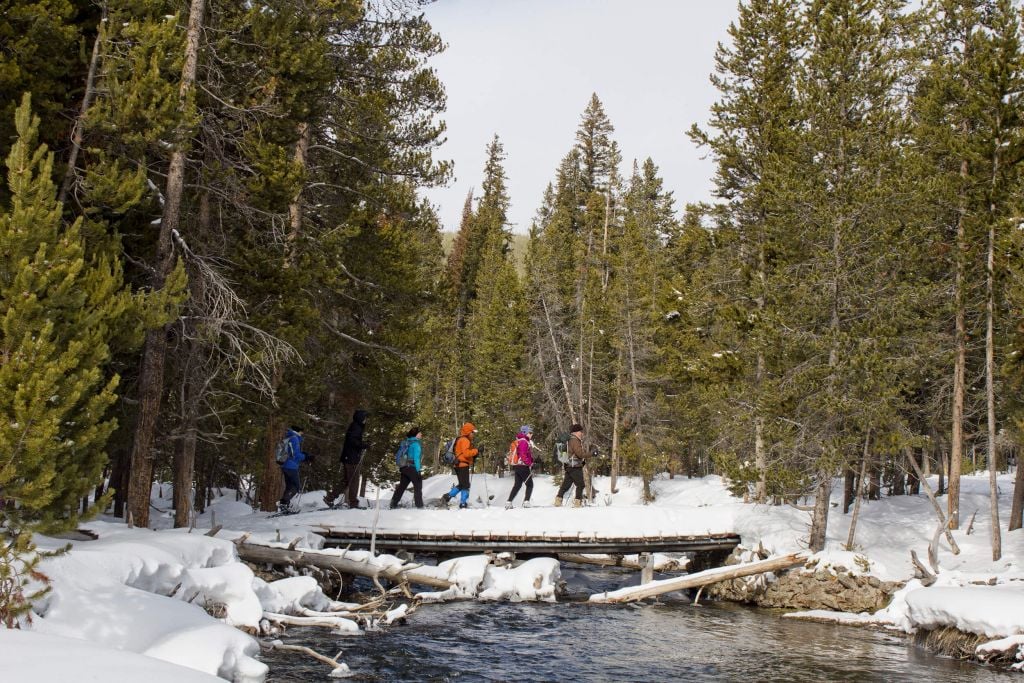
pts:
[525, 69]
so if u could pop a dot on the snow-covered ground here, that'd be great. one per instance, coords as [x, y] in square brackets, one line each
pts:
[138, 592]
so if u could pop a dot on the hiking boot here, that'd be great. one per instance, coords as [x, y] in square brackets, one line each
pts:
[283, 507]
[463, 506]
[558, 502]
[508, 505]
[527, 504]
[328, 502]
[445, 499]
[576, 502]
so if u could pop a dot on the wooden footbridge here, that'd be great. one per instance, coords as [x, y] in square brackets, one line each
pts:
[707, 547]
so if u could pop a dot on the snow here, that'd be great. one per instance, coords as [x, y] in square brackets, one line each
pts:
[34, 656]
[985, 610]
[139, 601]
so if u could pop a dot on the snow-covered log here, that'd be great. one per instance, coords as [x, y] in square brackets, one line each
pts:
[704, 578]
[252, 552]
[662, 563]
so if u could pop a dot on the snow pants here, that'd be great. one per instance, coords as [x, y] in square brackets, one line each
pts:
[462, 485]
[348, 483]
[291, 485]
[409, 476]
[522, 474]
[573, 475]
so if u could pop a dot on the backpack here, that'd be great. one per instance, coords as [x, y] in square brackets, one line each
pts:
[562, 448]
[512, 459]
[283, 452]
[448, 457]
[402, 458]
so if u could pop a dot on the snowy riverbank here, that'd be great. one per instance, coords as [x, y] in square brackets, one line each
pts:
[152, 593]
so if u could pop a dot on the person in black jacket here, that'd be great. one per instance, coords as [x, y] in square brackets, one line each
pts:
[351, 454]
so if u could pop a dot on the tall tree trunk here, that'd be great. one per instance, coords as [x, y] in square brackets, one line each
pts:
[616, 415]
[270, 485]
[154, 352]
[760, 457]
[185, 454]
[272, 482]
[959, 369]
[858, 497]
[874, 479]
[1017, 510]
[558, 361]
[119, 481]
[990, 363]
[78, 129]
[913, 483]
[819, 520]
[849, 490]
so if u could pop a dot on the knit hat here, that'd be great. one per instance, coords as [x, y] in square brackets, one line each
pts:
[576, 428]
[526, 429]
[412, 433]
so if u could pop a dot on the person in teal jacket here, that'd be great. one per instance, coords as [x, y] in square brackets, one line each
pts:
[408, 460]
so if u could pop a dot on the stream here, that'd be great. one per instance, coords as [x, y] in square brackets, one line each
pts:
[576, 641]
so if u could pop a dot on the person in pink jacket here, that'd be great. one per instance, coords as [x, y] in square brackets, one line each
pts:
[522, 464]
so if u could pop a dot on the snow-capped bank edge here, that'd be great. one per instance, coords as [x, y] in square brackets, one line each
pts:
[156, 594]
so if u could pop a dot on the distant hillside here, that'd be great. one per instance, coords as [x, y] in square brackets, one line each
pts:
[519, 246]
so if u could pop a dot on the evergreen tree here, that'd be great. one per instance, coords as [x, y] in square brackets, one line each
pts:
[639, 269]
[970, 137]
[59, 308]
[847, 303]
[753, 130]
[499, 390]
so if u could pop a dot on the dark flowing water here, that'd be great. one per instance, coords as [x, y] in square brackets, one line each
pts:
[579, 642]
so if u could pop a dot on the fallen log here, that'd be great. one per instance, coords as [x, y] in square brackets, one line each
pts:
[259, 554]
[338, 669]
[339, 624]
[667, 565]
[649, 590]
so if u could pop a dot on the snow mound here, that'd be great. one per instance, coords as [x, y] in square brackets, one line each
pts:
[33, 656]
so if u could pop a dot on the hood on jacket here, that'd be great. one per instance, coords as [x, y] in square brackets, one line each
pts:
[524, 435]
[360, 416]
[467, 429]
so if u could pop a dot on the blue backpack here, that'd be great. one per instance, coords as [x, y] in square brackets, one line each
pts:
[448, 457]
[402, 458]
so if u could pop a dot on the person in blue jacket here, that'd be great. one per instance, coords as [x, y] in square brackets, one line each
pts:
[409, 466]
[290, 467]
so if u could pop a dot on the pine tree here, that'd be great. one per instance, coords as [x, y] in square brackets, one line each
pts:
[752, 123]
[59, 310]
[843, 332]
[638, 275]
[499, 390]
[970, 136]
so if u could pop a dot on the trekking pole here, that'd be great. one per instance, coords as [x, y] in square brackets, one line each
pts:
[487, 497]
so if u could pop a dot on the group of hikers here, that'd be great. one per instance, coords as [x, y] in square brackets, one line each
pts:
[461, 452]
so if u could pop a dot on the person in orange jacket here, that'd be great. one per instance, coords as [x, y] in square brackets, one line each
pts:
[465, 455]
